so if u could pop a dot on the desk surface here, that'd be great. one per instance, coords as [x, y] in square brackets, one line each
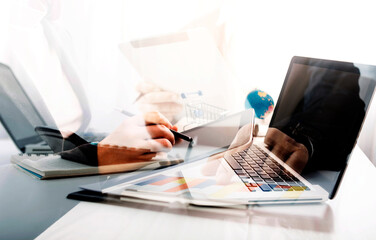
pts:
[33, 205]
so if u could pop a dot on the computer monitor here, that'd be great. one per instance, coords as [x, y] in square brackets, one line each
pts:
[17, 112]
[322, 104]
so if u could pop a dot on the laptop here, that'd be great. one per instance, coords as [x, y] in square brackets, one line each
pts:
[314, 127]
[19, 115]
[322, 106]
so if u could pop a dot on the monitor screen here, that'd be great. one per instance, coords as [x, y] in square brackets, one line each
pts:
[322, 105]
[18, 114]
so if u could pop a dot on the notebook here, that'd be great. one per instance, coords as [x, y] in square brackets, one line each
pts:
[319, 115]
[48, 166]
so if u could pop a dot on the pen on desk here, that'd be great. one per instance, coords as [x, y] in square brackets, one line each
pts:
[176, 134]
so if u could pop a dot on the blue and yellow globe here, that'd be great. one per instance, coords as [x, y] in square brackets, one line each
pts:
[261, 102]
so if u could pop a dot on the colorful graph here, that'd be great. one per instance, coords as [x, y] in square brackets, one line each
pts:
[169, 184]
[172, 184]
[176, 184]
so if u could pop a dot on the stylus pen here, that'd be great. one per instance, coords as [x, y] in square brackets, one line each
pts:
[176, 134]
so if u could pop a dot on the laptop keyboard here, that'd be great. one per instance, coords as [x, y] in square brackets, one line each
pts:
[256, 168]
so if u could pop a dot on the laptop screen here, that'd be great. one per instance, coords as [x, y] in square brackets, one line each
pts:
[14, 106]
[322, 105]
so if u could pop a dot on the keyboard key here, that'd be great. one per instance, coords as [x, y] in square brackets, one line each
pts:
[278, 179]
[240, 171]
[282, 183]
[297, 188]
[300, 183]
[264, 176]
[253, 174]
[272, 174]
[234, 164]
[275, 187]
[265, 188]
[269, 180]
[251, 184]
[245, 180]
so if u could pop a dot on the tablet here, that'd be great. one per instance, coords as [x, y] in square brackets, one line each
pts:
[214, 137]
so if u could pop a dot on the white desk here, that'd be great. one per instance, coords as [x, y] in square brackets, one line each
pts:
[29, 206]
[349, 216]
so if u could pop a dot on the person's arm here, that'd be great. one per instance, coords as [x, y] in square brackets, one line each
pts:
[137, 139]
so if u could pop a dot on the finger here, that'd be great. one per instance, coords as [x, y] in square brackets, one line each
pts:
[170, 116]
[166, 144]
[156, 118]
[160, 131]
[298, 160]
[161, 156]
[160, 97]
[147, 156]
[146, 87]
[127, 137]
[157, 145]
[280, 151]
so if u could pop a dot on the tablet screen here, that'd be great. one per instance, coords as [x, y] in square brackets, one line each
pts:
[213, 137]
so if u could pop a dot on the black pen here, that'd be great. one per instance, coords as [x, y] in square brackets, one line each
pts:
[176, 134]
[181, 136]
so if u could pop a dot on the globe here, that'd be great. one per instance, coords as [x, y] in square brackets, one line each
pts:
[261, 102]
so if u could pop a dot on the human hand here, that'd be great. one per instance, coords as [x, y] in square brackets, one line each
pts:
[154, 98]
[140, 138]
[287, 149]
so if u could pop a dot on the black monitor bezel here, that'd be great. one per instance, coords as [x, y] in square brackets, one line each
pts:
[329, 64]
